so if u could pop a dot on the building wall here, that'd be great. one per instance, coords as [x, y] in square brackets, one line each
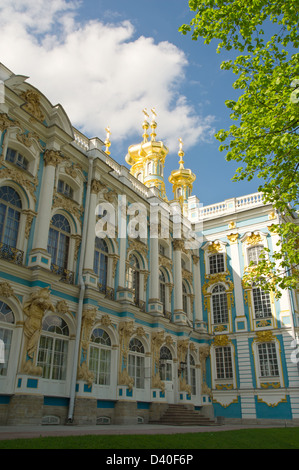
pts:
[62, 326]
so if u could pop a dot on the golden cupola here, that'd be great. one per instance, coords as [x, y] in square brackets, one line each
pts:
[147, 159]
[182, 180]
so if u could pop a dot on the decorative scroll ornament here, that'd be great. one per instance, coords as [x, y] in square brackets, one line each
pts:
[253, 239]
[6, 290]
[32, 105]
[214, 247]
[264, 337]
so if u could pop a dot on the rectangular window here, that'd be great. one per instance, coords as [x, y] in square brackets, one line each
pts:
[261, 303]
[224, 367]
[216, 263]
[136, 370]
[268, 360]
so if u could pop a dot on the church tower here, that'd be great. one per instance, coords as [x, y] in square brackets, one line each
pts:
[147, 159]
[182, 181]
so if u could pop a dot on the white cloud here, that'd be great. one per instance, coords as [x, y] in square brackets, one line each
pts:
[101, 73]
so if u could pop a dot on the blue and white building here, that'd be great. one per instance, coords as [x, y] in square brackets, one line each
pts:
[100, 329]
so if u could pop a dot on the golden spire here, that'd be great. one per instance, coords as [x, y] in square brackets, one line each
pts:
[107, 141]
[182, 179]
[145, 126]
[153, 125]
[181, 154]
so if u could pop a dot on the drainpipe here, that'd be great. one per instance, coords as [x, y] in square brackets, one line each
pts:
[81, 297]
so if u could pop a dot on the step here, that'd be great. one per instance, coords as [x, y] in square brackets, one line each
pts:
[179, 415]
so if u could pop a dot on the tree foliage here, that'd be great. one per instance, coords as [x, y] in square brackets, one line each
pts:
[264, 137]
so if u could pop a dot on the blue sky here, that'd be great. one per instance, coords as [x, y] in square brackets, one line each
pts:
[104, 61]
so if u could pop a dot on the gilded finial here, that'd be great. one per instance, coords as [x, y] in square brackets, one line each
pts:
[181, 154]
[153, 124]
[107, 141]
[145, 126]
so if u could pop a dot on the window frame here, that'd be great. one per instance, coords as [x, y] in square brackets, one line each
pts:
[103, 350]
[52, 338]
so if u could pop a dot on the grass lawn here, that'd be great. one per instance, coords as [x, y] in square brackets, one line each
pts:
[271, 438]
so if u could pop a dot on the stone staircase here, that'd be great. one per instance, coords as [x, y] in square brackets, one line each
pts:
[180, 415]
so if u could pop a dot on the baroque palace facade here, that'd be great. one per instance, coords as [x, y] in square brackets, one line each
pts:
[98, 329]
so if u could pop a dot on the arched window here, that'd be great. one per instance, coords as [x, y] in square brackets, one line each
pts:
[133, 277]
[100, 262]
[254, 254]
[10, 213]
[15, 157]
[261, 303]
[136, 362]
[58, 241]
[53, 348]
[162, 282]
[165, 363]
[216, 263]
[219, 304]
[7, 320]
[100, 356]
[185, 298]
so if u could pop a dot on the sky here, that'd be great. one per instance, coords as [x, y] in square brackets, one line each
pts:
[105, 61]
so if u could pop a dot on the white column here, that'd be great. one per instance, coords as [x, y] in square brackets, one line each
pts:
[39, 254]
[91, 234]
[154, 269]
[197, 289]
[178, 291]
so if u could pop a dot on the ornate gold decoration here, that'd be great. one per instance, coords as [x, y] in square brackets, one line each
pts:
[165, 262]
[232, 224]
[233, 237]
[6, 290]
[22, 178]
[62, 307]
[137, 245]
[63, 202]
[224, 386]
[88, 321]
[271, 384]
[204, 352]
[272, 215]
[107, 141]
[214, 247]
[156, 343]
[195, 259]
[214, 279]
[253, 239]
[221, 340]
[126, 329]
[106, 320]
[34, 310]
[53, 157]
[27, 139]
[32, 105]
[29, 219]
[77, 239]
[5, 122]
[178, 244]
[72, 170]
[264, 336]
[97, 186]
